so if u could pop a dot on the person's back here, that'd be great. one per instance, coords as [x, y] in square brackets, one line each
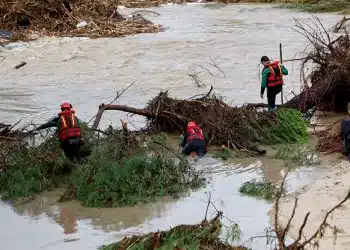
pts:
[69, 127]
[272, 79]
[194, 140]
[69, 133]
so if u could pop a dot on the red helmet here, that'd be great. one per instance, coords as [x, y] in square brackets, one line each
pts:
[191, 125]
[66, 105]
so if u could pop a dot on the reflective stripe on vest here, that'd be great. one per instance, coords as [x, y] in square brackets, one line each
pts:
[69, 127]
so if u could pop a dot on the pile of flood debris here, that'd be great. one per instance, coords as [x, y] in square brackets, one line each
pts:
[329, 139]
[327, 86]
[9, 133]
[88, 18]
[10, 139]
[148, 3]
[107, 173]
[235, 127]
[6, 131]
[325, 73]
[204, 235]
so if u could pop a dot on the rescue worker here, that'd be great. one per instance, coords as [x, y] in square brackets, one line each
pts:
[69, 132]
[345, 133]
[272, 79]
[194, 140]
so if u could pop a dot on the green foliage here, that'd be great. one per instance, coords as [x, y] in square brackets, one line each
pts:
[33, 169]
[267, 128]
[103, 182]
[37, 166]
[319, 6]
[233, 233]
[121, 170]
[225, 153]
[298, 153]
[263, 189]
[290, 128]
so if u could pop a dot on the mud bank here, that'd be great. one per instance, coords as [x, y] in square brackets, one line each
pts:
[319, 197]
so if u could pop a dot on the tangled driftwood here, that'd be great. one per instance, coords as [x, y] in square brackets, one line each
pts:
[328, 84]
[61, 17]
[206, 233]
[236, 127]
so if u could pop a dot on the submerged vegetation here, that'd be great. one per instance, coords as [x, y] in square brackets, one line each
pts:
[319, 6]
[259, 188]
[121, 170]
[313, 6]
[123, 167]
[204, 235]
[106, 180]
[299, 154]
[235, 127]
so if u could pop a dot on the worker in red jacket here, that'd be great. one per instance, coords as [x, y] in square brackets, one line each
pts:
[194, 140]
[68, 132]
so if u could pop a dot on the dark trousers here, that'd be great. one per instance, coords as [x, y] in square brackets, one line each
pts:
[196, 145]
[71, 148]
[271, 95]
[347, 147]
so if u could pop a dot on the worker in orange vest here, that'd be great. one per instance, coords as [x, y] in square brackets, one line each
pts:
[272, 79]
[69, 132]
[194, 140]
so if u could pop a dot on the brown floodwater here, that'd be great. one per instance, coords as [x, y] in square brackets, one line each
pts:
[89, 72]
[42, 223]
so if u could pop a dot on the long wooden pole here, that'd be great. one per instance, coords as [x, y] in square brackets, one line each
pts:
[281, 72]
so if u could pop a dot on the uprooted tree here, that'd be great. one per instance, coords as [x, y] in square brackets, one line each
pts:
[327, 87]
[325, 77]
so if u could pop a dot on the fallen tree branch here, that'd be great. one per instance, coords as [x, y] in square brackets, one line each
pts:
[123, 108]
[202, 96]
[98, 116]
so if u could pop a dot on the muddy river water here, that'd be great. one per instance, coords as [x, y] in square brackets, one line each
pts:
[89, 72]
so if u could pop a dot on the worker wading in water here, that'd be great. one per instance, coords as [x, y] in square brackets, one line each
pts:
[194, 140]
[345, 133]
[272, 79]
[69, 132]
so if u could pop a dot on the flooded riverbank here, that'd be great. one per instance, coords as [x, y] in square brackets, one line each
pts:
[318, 198]
[88, 72]
[43, 223]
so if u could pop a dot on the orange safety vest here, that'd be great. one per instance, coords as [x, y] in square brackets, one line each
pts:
[194, 133]
[69, 128]
[275, 77]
